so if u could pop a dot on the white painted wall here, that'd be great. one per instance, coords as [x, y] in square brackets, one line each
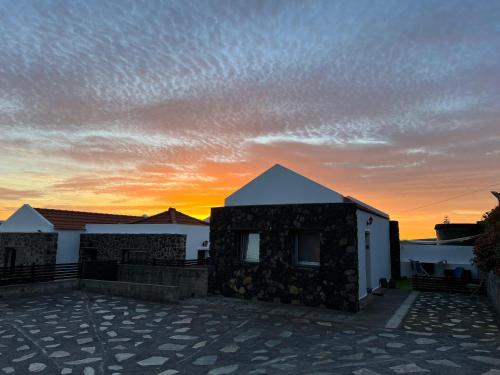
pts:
[380, 250]
[68, 246]
[195, 234]
[26, 219]
[456, 256]
[280, 185]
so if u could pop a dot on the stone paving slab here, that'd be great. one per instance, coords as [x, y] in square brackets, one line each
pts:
[79, 333]
[456, 314]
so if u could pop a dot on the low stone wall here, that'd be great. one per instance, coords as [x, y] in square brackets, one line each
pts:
[493, 289]
[116, 246]
[192, 281]
[49, 287]
[149, 292]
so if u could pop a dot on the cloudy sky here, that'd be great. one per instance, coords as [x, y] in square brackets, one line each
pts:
[137, 106]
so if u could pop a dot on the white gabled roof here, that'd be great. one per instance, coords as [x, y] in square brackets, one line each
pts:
[280, 185]
[26, 219]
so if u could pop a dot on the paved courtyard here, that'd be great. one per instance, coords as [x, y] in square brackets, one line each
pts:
[80, 333]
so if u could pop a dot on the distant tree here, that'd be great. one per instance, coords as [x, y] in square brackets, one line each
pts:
[487, 245]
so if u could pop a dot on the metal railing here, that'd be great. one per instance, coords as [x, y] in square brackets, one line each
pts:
[103, 270]
[170, 263]
[37, 273]
[447, 284]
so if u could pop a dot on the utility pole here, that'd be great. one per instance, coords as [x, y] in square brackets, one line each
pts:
[496, 194]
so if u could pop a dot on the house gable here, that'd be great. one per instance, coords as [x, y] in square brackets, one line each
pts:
[280, 185]
[26, 219]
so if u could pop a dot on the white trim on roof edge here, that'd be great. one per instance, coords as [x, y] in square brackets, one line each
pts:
[367, 207]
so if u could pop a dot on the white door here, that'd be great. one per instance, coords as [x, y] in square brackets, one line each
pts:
[368, 262]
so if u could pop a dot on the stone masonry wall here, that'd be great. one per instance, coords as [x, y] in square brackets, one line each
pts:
[333, 284]
[192, 281]
[157, 246]
[31, 248]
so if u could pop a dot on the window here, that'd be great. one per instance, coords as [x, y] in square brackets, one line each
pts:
[307, 249]
[250, 247]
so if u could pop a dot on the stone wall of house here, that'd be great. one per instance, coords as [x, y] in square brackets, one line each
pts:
[155, 246]
[333, 284]
[395, 250]
[31, 248]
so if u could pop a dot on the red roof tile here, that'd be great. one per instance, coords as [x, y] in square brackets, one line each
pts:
[172, 216]
[76, 220]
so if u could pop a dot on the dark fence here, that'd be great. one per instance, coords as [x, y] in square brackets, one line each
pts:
[447, 284]
[170, 263]
[37, 273]
[100, 270]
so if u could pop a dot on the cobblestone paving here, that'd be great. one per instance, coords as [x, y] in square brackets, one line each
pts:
[461, 316]
[89, 334]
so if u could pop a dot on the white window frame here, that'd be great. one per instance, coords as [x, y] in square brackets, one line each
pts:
[296, 251]
[245, 242]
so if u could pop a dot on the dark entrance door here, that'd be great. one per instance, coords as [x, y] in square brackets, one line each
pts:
[10, 258]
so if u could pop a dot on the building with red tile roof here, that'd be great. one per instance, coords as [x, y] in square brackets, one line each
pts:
[76, 220]
[171, 216]
[64, 225]
[170, 221]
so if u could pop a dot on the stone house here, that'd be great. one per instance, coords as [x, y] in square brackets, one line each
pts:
[50, 236]
[47, 236]
[285, 237]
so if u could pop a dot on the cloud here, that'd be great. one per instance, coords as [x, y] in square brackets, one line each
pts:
[7, 194]
[182, 102]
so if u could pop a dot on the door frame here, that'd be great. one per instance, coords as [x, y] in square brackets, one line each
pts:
[368, 261]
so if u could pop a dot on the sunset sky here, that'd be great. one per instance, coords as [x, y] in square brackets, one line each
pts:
[134, 107]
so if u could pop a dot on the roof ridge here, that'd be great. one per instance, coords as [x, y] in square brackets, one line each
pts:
[84, 212]
[173, 214]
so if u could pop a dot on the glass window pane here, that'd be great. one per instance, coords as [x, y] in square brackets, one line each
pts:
[251, 247]
[308, 248]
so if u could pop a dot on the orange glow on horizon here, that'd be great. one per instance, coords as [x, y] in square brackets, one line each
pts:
[208, 188]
